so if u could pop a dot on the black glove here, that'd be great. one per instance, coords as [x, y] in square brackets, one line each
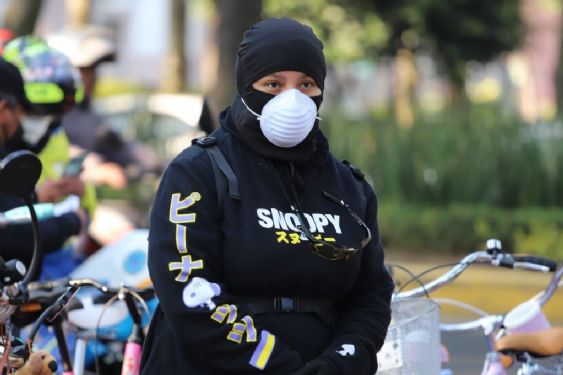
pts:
[318, 367]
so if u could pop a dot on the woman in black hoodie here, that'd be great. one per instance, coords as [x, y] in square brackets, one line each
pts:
[280, 271]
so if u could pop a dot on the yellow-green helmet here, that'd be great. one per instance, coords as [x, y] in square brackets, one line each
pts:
[52, 84]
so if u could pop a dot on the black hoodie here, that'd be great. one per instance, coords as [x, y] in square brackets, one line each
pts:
[204, 260]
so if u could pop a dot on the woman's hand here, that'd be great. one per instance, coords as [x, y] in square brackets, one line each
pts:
[318, 367]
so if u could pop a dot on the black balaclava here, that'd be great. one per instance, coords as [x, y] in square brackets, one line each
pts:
[273, 45]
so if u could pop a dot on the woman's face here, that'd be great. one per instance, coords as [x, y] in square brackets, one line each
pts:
[278, 82]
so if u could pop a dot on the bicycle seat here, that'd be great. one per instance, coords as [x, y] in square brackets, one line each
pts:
[544, 343]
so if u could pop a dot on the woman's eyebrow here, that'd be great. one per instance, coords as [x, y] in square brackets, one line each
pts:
[275, 75]
[281, 76]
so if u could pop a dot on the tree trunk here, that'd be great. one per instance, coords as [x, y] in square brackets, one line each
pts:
[543, 24]
[174, 72]
[405, 81]
[21, 16]
[235, 17]
[78, 13]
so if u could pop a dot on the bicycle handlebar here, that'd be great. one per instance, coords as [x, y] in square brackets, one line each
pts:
[475, 257]
[492, 256]
[128, 294]
[145, 293]
[534, 261]
[48, 285]
[552, 287]
[492, 321]
[53, 288]
[488, 322]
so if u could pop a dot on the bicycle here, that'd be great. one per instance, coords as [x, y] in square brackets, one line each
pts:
[19, 172]
[57, 302]
[22, 301]
[523, 336]
[412, 345]
[86, 318]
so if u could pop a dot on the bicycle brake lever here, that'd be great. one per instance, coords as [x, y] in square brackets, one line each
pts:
[60, 303]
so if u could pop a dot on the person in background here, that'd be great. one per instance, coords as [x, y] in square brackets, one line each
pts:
[16, 241]
[51, 85]
[285, 274]
[114, 160]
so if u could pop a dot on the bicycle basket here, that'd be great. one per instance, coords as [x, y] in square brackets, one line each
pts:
[412, 345]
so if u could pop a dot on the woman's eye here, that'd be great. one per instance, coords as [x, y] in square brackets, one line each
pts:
[272, 85]
[308, 85]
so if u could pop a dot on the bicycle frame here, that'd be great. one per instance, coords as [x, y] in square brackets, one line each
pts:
[52, 315]
[133, 348]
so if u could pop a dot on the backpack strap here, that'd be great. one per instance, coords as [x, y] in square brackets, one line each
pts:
[225, 178]
[358, 178]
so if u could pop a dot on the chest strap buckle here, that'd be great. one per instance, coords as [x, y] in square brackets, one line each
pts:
[286, 304]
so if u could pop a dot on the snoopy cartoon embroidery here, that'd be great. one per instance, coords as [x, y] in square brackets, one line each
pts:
[347, 349]
[199, 292]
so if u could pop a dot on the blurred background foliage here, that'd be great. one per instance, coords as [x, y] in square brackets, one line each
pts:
[468, 172]
[348, 32]
[456, 31]
[449, 107]
[450, 182]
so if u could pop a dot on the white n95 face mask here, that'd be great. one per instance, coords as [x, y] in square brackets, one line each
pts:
[35, 127]
[287, 119]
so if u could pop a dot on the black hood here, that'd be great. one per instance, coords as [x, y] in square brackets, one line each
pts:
[279, 44]
[276, 44]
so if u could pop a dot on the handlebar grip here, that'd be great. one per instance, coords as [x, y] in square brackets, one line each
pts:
[538, 260]
[48, 285]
